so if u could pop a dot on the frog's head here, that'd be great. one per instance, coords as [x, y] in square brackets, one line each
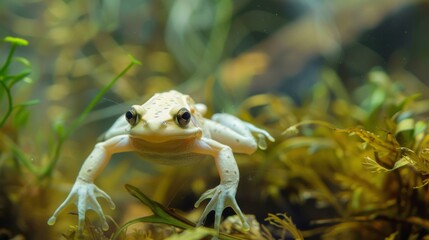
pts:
[165, 117]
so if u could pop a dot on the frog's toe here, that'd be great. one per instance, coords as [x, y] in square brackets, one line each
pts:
[213, 205]
[94, 205]
[81, 209]
[206, 195]
[230, 201]
[220, 205]
[101, 193]
[68, 200]
[52, 220]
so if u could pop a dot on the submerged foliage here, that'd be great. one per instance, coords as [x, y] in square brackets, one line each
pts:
[8, 80]
[373, 170]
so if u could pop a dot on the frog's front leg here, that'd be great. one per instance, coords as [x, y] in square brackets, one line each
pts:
[84, 191]
[223, 195]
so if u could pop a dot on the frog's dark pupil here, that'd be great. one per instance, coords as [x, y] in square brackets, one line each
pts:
[186, 115]
[129, 115]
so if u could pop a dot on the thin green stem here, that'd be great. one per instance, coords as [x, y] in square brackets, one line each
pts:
[10, 104]
[24, 160]
[18, 77]
[8, 59]
[20, 156]
[47, 171]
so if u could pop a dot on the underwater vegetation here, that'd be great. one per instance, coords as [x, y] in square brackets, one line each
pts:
[350, 119]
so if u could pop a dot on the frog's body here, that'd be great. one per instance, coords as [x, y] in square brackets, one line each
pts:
[170, 128]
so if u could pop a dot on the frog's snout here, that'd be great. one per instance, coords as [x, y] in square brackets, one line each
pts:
[155, 125]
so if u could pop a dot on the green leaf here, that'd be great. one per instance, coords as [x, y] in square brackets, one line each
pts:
[21, 113]
[379, 77]
[420, 128]
[193, 234]
[405, 125]
[16, 40]
[28, 103]
[405, 132]
[23, 61]
[401, 162]
[10, 103]
[21, 117]
[18, 77]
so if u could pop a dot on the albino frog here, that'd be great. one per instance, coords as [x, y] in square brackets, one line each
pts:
[170, 128]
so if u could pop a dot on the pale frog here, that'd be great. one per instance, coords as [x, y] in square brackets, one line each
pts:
[170, 128]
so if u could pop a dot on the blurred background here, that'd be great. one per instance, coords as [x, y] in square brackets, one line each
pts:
[222, 53]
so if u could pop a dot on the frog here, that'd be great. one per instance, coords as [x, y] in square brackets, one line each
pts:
[170, 128]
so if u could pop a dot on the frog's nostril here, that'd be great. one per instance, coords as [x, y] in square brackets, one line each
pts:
[144, 122]
[155, 125]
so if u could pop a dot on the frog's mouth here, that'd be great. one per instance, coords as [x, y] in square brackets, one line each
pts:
[172, 147]
[164, 133]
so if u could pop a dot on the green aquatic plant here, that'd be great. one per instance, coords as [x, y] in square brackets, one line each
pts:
[160, 213]
[8, 80]
[166, 216]
[286, 223]
[373, 155]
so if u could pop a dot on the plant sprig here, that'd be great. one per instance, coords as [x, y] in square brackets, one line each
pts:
[162, 215]
[7, 81]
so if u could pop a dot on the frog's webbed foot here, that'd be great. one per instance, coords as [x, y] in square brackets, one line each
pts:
[84, 196]
[222, 196]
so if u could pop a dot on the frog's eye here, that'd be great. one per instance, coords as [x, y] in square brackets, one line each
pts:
[132, 116]
[183, 117]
